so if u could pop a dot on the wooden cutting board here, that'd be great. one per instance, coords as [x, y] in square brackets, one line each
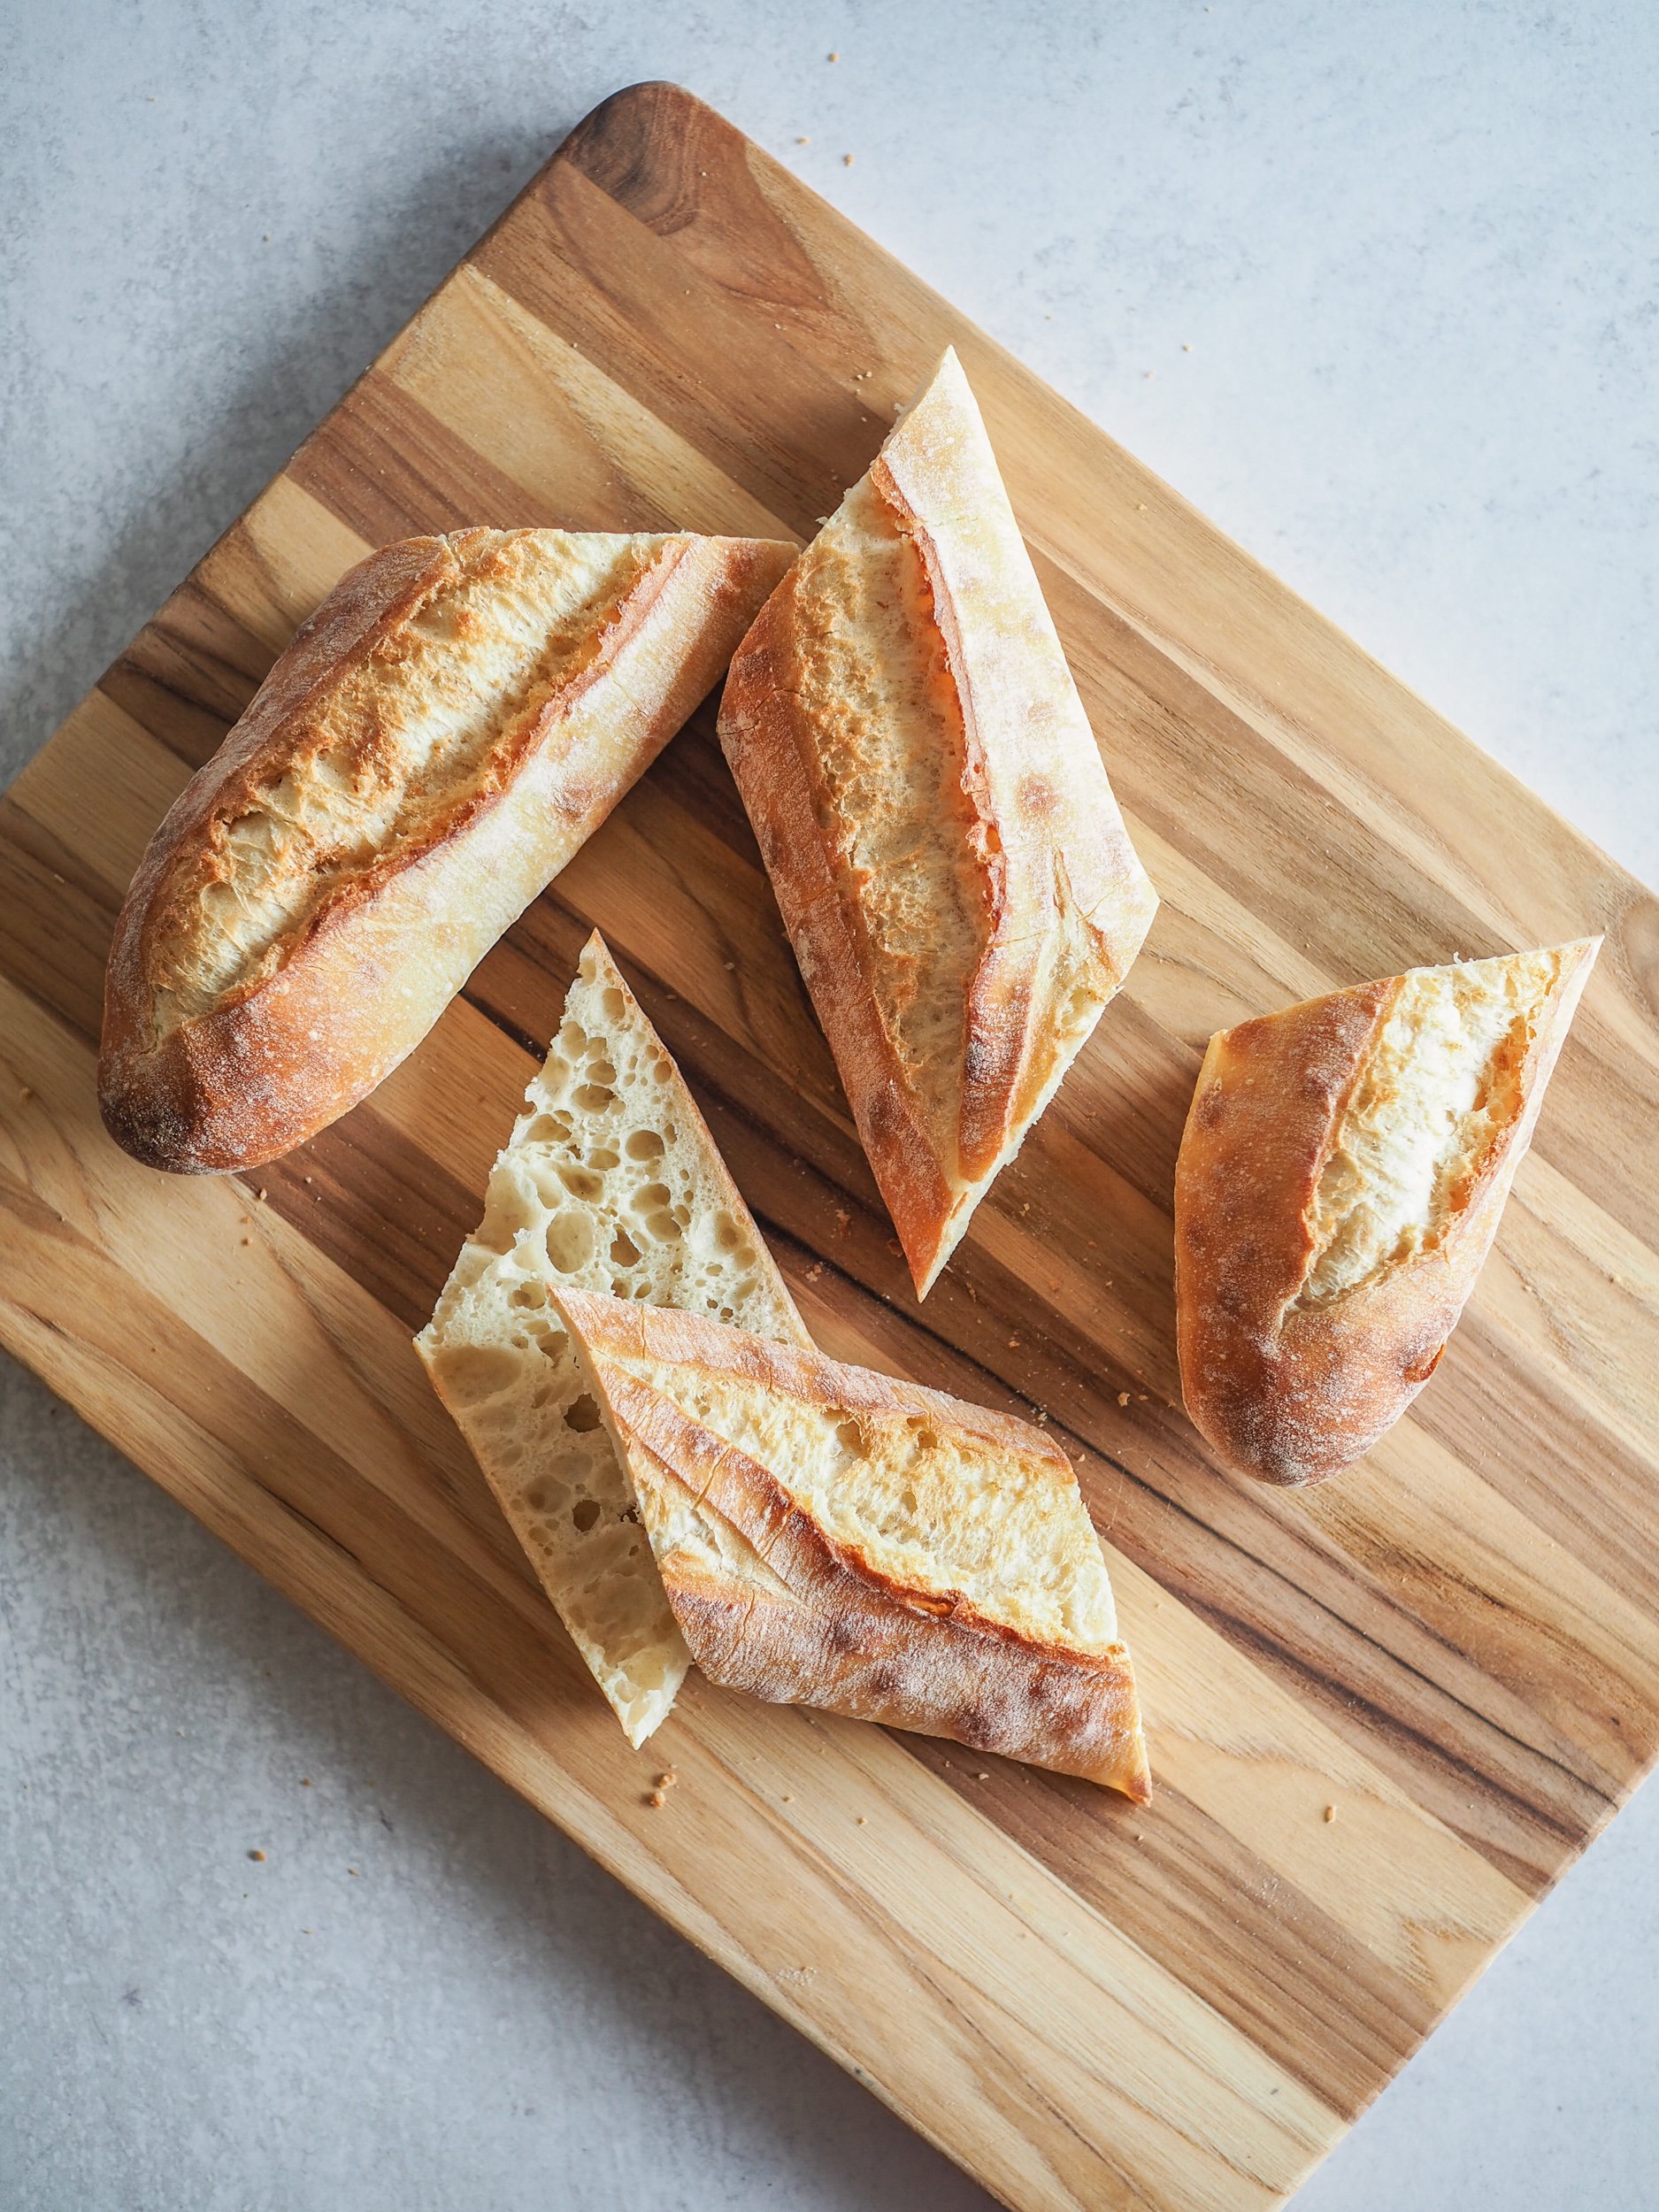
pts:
[1383, 1717]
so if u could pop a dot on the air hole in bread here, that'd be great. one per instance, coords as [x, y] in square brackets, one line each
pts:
[645, 1144]
[614, 1003]
[581, 1415]
[927, 1439]
[595, 1098]
[664, 1229]
[850, 1435]
[624, 1251]
[651, 1198]
[530, 1294]
[600, 1070]
[585, 1512]
[477, 1370]
[570, 1241]
[550, 1129]
[582, 1183]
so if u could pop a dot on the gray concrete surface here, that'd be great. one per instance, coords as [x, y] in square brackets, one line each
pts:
[1411, 249]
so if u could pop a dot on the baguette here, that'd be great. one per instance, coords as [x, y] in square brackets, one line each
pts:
[612, 1181]
[1341, 1179]
[929, 800]
[434, 744]
[829, 1537]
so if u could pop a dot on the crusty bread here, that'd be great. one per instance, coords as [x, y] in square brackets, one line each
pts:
[829, 1537]
[612, 1181]
[1341, 1179]
[946, 851]
[439, 737]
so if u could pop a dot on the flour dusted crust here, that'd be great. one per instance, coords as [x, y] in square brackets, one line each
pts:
[1343, 1169]
[435, 743]
[946, 851]
[611, 1182]
[829, 1537]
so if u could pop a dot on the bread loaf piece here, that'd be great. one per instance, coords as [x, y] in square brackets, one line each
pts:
[612, 1181]
[950, 861]
[438, 740]
[1341, 1179]
[829, 1537]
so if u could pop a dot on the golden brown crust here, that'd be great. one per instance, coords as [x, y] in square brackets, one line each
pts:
[818, 1623]
[1287, 1386]
[1042, 905]
[195, 1078]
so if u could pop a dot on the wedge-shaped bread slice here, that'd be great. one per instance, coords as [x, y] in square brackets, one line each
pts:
[1341, 1179]
[457, 716]
[946, 851]
[829, 1537]
[612, 1181]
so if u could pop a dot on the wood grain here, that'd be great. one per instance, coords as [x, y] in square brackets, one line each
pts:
[1456, 1646]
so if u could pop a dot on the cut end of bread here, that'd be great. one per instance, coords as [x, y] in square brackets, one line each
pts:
[829, 1537]
[611, 1180]
[1441, 1087]
[1343, 1170]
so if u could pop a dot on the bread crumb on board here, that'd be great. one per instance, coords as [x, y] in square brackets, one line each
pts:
[259, 1855]
[1123, 1397]
[1330, 1812]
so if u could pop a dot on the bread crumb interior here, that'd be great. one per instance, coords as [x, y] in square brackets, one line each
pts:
[610, 1183]
[1440, 1086]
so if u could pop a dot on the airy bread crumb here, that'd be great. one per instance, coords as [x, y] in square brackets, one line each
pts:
[610, 1181]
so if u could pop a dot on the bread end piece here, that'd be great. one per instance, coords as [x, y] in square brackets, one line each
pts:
[1342, 1172]
[433, 745]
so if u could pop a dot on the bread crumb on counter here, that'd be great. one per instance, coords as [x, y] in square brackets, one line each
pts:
[1123, 1397]
[1330, 1813]
[657, 1799]
[259, 1855]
